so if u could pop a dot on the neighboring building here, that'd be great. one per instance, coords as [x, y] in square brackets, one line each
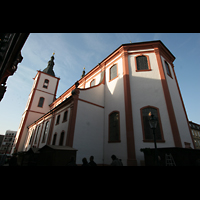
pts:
[10, 55]
[106, 111]
[7, 142]
[195, 128]
[1, 139]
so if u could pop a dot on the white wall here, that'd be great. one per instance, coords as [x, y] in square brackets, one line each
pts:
[88, 133]
[146, 89]
[52, 83]
[95, 76]
[178, 108]
[62, 126]
[114, 101]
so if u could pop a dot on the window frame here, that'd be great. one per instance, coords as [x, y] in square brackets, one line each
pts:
[119, 139]
[168, 66]
[162, 140]
[36, 135]
[62, 135]
[54, 138]
[45, 131]
[31, 136]
[42, 102]
[64, 120]
[44, 86]
[92, 81]
[58, 119]
[110, 72]
[148, 63]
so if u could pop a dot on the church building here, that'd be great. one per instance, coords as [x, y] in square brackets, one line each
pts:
[106, 112]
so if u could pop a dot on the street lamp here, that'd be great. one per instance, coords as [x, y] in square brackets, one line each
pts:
[153, 124]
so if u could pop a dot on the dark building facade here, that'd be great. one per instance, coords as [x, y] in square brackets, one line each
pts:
[195, 128]
[10, 55]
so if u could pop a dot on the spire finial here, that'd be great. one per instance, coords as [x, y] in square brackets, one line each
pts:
[53, 53]
[83, 74]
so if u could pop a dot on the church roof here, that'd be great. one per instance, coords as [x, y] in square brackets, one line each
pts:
[49, 68]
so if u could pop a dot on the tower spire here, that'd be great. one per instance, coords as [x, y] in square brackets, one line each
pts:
[49, 68]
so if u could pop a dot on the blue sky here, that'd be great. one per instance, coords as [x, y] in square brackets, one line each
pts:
[73, 51]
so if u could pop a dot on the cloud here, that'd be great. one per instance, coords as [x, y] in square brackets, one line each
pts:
[184, 42]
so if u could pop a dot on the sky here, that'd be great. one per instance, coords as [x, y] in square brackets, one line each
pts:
[74, 51]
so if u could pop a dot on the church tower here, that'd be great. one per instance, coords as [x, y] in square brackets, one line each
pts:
[42, 94]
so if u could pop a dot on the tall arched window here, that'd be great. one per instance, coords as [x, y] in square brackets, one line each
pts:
[45, 132]
[31, 136]
[61, 138]
[65, 116]
[41, 102]
[113, 72]
[54, 139]
[37, 134]
[114, 127]
[147, 131]
[142, 63]
[92, 83]
[58, 119]
[168, 69]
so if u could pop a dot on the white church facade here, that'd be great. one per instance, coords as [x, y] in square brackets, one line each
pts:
[106, 111]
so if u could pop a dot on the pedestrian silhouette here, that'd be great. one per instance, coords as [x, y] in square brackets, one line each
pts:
[85, 162]
[116, 161]
[92, 163]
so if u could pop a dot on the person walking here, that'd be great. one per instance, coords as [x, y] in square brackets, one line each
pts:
[92, 163]
[85, 162]
[116, 161]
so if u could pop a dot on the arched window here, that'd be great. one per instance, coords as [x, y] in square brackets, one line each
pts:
[92, 83]
[168, 69]
[54, 139]
[37, 134]
[65, 116]
[41, 102]
[45, 132]
[58, 119]
[114, 127]
[147, 131]
[31, 137]
[46, 83]
[142, 63]
[61, 138]
[113, 72]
